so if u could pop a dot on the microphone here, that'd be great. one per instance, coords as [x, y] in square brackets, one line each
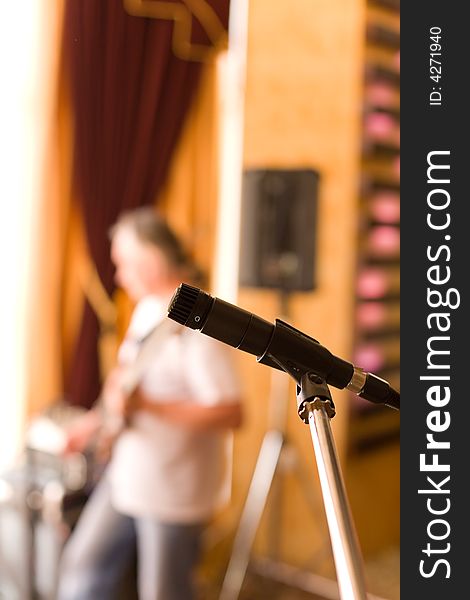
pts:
[280, 345]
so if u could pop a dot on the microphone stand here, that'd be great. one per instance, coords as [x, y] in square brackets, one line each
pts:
[316, 408]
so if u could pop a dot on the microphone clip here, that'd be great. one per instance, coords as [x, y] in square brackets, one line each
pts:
[313, 393]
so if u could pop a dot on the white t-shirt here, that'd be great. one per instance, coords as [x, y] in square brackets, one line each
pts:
[159, 468]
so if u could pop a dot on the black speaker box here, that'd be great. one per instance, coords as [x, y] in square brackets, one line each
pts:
[278, 229]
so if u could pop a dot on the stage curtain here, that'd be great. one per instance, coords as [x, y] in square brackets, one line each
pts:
[129, 97]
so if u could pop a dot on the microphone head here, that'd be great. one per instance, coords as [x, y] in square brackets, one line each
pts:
[182, 303]
[189, 306]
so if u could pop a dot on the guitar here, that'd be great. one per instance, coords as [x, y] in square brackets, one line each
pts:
[113, 425]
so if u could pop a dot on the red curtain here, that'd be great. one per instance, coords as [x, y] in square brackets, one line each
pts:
[129, 97]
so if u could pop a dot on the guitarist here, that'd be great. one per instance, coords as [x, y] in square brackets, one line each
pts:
[167, 474]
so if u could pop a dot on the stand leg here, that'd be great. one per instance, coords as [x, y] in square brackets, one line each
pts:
[343, 536]
[256, 500]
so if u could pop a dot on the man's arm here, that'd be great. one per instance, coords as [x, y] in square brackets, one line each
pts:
[197, 417]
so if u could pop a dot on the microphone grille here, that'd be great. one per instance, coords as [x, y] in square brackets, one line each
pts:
[182, 303]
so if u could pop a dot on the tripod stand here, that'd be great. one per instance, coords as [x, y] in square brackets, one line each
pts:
[274, 447]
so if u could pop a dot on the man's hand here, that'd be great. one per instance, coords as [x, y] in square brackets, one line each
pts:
[81, 432]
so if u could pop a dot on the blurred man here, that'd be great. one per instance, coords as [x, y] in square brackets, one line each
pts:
[167, 473]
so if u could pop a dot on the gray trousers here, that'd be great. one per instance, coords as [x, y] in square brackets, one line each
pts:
[102, 545]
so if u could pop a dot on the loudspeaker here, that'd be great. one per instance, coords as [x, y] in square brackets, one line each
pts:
[278, 229]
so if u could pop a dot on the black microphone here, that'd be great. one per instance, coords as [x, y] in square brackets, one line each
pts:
[280, 345]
